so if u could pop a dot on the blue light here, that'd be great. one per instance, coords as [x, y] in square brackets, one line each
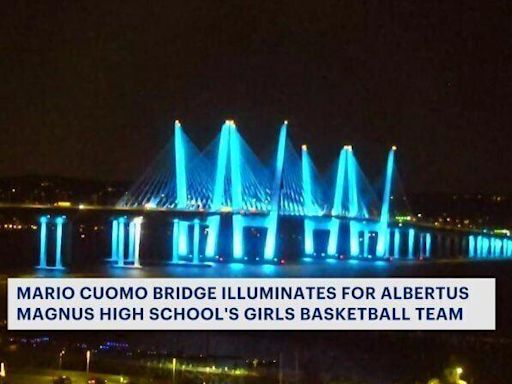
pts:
[181, 173]
[175, 234]
[115, 229]
[411, 243]
[183, 238]
[382, 239]
[366, 239]
[131, 241]
[236, 183]
[381, 263]
[498, 245]
[213, 222]
[485, 247]
[340, 183]
[306, 182]
[196, 242]
[138, 230]
[354, 239]
[334, 228]
[334, 225]
[471, 246]
[236, 266]
[479, 246]
[238, 231]
[218, 194]
[428, 244]
[353, 197]
[308, 202]
[269, 269]
[270, 243]
[308, 237]
[58, 241]
[396, 247]
[120, 244]
[42, 246]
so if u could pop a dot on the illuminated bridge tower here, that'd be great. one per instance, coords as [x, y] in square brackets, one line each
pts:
[53, 242]
[379, 228]
[182, 252]
[346, 202]
[246, 211]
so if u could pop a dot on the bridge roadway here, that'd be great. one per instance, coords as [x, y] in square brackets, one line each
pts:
[73, 212]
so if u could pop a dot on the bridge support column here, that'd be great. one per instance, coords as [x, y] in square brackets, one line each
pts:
[396, 246]
[366, 240]
[175, 234]
[410, 252]
[195, 251]
[388, 243]
[126, 255]
[334, 230]
[308, 237]
[428, 245]
[499, 246]
[471, 246]
[354, 239]
[213, 224]
[47, 230]
[486, 247]
[238, 237]
[43, 245]
[178, 227]
[421, 252]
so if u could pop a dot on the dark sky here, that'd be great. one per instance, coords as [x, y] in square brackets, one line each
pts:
[91, 90]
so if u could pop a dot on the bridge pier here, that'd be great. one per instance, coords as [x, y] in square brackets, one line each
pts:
[50, 228]
[329, 225]
[410, 243]
[182, 252]
[125, 244]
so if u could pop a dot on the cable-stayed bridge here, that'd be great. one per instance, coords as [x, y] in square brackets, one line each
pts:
[225, 204]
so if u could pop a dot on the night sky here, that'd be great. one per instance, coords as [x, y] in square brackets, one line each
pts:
[91, 90]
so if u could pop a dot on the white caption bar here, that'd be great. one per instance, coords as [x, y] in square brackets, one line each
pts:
[251, 304]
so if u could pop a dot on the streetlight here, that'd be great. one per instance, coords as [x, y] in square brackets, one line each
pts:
[173, 370]
[61, 355]
[88, 359]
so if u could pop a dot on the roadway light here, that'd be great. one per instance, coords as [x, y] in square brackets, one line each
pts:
[61, 355]
[2, 370]
[88, 361]
[173, 370]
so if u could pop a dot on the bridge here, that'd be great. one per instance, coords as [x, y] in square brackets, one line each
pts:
[224, 204]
